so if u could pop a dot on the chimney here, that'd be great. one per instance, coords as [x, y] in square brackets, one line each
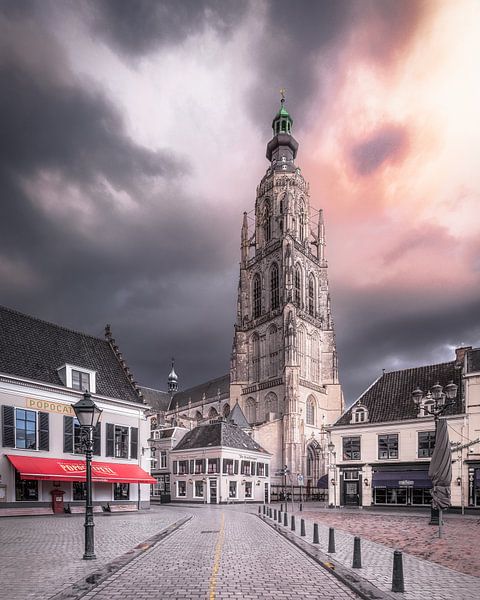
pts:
[460, 354]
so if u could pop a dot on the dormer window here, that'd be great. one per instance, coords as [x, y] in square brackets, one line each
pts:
[359, 415]
[78, 378]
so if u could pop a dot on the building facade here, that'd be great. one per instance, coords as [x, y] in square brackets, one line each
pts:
[218, 463]
[283, 371]
[44, 370]
[380, 448]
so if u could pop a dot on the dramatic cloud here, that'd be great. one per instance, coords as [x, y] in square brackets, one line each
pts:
[133, 138]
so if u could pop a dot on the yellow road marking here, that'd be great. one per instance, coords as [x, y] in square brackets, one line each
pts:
[216, 560]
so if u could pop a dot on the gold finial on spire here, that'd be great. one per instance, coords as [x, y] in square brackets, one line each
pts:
[283, 91]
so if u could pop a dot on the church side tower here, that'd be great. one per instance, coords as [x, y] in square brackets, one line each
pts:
[284, 362]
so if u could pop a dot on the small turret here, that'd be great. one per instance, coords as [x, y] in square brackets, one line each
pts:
[245, 239]
[282, 148]
[321, 237]
[172, 380]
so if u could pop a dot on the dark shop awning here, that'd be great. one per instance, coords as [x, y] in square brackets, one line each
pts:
[416, 479]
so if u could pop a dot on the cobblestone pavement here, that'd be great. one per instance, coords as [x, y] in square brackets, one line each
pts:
[222, 553]
[423, 579]
[457, 549]
[41, 556]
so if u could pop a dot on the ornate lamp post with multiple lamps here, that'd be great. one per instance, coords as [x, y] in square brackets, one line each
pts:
[435, 403]
[88, 415]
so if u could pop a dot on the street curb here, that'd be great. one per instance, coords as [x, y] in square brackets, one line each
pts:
[361, 586]
[91, 581]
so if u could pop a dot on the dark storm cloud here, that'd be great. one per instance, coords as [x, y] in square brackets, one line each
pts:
[386, 332]
[141, 26]
[382, 146]
[65, 160]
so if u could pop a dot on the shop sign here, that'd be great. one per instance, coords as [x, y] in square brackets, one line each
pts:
[405, 482]
[49, 406]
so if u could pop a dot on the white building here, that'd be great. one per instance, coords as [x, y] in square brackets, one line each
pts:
[218, 463]
[381, 446]
[44, 369]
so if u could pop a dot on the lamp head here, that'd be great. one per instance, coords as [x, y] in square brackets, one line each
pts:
[86, 411]
[417, 395]
[451, 390]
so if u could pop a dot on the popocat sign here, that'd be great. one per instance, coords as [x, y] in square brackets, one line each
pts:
[49, 406]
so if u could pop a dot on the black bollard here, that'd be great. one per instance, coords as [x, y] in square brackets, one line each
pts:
[315, 533]
[357, 554]
[274, 514]
[397, 575]
[285, 519]
[281, 507]
[259, 509]
[302, 527]
[301, 506]
[279, 517]
[331, 540]
[292, 525]
[264, 509]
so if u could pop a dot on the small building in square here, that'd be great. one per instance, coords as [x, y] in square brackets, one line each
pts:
[218, 462]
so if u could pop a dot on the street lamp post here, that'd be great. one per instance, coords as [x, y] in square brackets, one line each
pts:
[88, 415]
[434, 404]
[333, 466]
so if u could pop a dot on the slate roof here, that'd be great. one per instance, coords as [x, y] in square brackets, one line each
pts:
[35, 349]
[390, 397]
[219, 433]
[238, 418]
[209, 388]
[157, 399]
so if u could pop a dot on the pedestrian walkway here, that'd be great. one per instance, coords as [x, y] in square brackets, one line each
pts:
[222, 553]
[423, 579]
[41, 556]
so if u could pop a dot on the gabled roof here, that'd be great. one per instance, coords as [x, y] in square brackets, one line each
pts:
[218, 433]
[35, 349]
[157, 399]
[390, 397]
[237, 417]
[210, 389]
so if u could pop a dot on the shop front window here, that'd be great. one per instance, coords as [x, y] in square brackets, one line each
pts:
[25, 490]
[121, 491]
[79, 490]
[232, 489]
[248, 489]
[199, 489]
[181, 489]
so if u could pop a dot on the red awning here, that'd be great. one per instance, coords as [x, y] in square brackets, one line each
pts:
[58, 469]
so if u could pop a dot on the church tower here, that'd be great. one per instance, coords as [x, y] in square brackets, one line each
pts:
[284, 362]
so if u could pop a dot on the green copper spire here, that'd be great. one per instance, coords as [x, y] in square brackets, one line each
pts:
[282, 123]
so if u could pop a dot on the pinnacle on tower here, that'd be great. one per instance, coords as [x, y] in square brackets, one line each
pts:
[282, 148]
[172, 380]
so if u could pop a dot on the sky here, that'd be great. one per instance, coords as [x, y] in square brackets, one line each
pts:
[133, 136]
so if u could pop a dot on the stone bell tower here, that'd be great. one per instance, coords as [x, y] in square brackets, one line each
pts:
[284, 362]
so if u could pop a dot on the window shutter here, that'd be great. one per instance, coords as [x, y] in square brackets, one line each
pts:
[68, 434]
[192, 467]
[218, 465]
[266, 470]
[97, 440]
[204, 465]
[133, 442]
[8, 420]
[109, 447]
[175, 469]
[224, 470]
[252, 469]
[43, 431]
[235, 470]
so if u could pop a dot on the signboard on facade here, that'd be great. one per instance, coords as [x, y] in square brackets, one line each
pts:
[300, 480]
[49, 406]
[406, 482]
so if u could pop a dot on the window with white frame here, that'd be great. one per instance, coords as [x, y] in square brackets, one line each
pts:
[163, 459]
[198, 489]
[26, 429]
[232, 489]
[80, 380]
[248, 489]
[181, 489]
[359, 415]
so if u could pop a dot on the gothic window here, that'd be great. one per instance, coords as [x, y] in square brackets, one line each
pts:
[310, 412]
[267, 221]
[271, 404]
[315, 358]
[257, 296]
[311, 295]
[272, 358]
[226, 410]
[302, 222]
[314, 455]
[212, 413]
[198, 416]
[298, 286]
[274, 293]
[250, 411]
[301, 351]
[255, 357]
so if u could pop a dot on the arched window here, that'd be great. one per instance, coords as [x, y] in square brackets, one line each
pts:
[267, 221]
[274, 293]
[311, 295]
[298, 286]
[250, 411]
[359, 414]
[198, 416]
[271, 404]
[310, 412]
[301, 222]
[257, 296]
[212, 413]
[273, 354]
[255, 357]
[301, 351]
[226, 410]
[315, 358]
[314, 458]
